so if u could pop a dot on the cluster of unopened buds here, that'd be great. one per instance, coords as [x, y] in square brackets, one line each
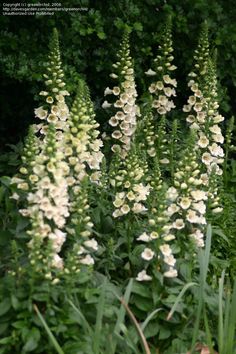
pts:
[54, 110]
[164, 87]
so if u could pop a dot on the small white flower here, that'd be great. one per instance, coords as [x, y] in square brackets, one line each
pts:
[40, 113]
[172, 209]
[138, 208]
[203, 141]
[171, 273]
[217, 210]
[91, 244]
[178, 224]
[144, 237]
[215, 129]
[150, 72]
[87, 260]
[216, 150]
[218, 138]
[108, 91]
[200, 207]
[147, 254]
[219, 118]
[57, 261]
[185, 203]
[116, 213]
[165, 250]
[192, 216]
[170, 260]
[172, 194]
[143, 276]
[199, 195]
[165, 161]
[106, 105]
[207, 158]
[15, 196]
[168, 237]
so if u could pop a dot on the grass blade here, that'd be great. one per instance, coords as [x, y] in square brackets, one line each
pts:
[49, 332]
[204, 257]
[232, 323]
[179, 297]
[121, 314]
[220, 310]
[148, 319]
[208, 333]
[98, 325]
[84, 322]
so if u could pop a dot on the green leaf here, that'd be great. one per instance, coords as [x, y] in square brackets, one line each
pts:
[143, 303]
[151, 330]
[141, 289]
[15, 302]
[32, 340]
[6, 340]
[164, 333]
[19, 324]
[138, 26]
[101, 35]
[5, 306]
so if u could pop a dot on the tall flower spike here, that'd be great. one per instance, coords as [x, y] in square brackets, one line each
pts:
[54, 109]
[157, 253]
[26, 178]
[145, 135]
[188, 198]
[203, 115]
[125, 110]
[84, 156]
[48, 207]
[163, 88]
[82, 142]
[80, 245]
[201, 55]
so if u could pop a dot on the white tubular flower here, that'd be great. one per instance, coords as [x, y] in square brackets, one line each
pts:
[165, 250]
[203, 141]
[199, 195]
[178, 224]
[106, 105]
[172, 194]
[87, 260]
[171, 273]
[108, 91]
[185, 202]
[150, 72]
[138, 208]
[170, 260]
[57, 262]
[41, 113]
[143, 276]
[147, 254]
[144, 237]
[91, 244]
